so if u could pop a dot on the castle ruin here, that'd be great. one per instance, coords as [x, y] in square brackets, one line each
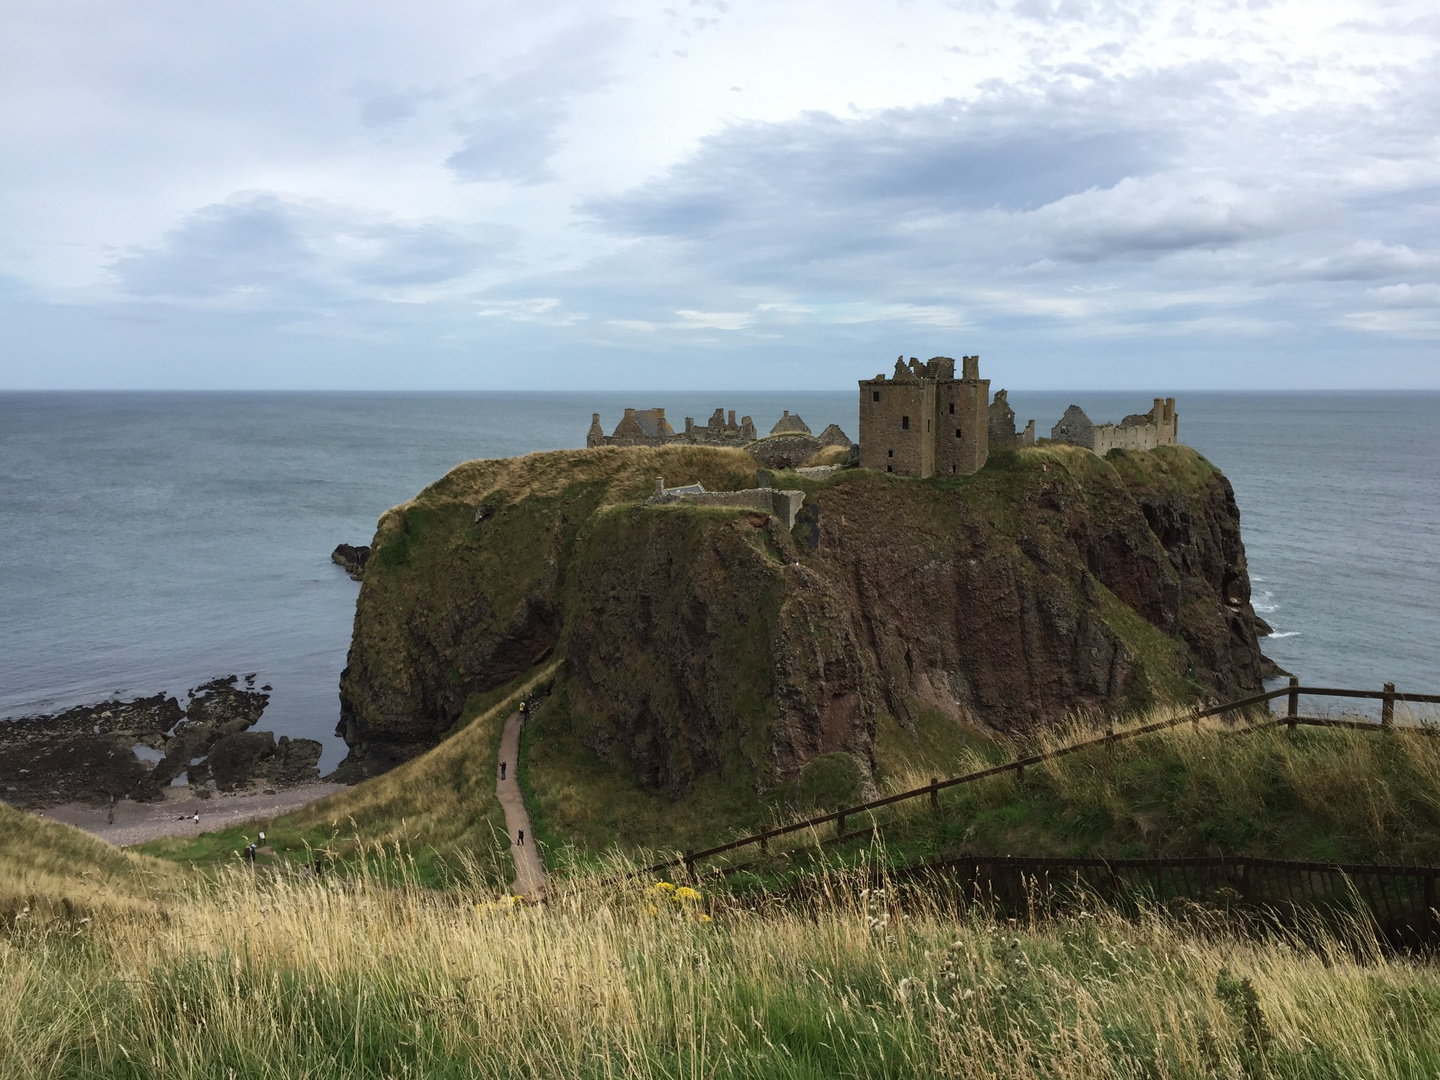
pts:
[923, 420]
[648, 427]
[1138, 431]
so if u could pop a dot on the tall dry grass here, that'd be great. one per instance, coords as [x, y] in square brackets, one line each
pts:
[294, 977]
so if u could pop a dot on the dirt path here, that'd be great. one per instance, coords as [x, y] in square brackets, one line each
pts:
[529, 870]
[136, 823]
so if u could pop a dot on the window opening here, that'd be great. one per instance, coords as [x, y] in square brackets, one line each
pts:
[957, 433]
[875, 396]
[905, 422]
[952, 408]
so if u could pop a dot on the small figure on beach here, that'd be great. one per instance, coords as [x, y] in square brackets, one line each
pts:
[521, 841]
[502, 770]
[197, 817]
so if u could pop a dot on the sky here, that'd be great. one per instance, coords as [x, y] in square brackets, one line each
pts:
[718, 193]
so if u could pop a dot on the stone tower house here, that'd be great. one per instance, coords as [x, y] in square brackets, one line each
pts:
[923, 420]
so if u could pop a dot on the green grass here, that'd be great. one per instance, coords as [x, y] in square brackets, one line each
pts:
[268, 977]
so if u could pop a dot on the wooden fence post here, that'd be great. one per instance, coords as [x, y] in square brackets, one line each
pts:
[934, 795]
[840, 825]
[1387, 706]
[690, 862]
[1019, 773]
[764, 845]
[1294, 710]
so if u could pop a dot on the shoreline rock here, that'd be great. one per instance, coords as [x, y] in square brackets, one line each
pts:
[136, 749]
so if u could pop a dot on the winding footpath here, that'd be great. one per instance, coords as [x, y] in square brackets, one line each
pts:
[529, 870]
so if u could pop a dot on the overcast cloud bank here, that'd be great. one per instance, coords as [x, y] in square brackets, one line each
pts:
[720, 194]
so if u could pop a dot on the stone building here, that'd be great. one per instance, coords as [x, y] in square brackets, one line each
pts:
[923, 420]
[1138, 431]
[790, 425]
[648, 427]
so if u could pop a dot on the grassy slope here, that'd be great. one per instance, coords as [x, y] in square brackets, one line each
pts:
[440, 808]
[58, 871]
[1317, 794]
[352, 978]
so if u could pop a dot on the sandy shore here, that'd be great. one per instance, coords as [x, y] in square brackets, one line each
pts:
[137, 822]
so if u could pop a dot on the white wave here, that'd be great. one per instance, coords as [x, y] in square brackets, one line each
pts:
[1285, 633]
[1265, 604]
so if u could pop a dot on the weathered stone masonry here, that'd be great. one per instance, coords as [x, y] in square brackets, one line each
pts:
[1138, 431]
[923, 420]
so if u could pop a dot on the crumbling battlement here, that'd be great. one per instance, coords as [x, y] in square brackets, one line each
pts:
[1138, 431]
[785, 505]
[648, 427]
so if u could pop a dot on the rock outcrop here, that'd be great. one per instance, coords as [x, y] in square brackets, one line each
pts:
[699, 639]
[352, 559]
[135, 749]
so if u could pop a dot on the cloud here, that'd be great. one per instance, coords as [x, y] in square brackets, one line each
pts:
[262, 249]
[713, 320]
[1150, 217]
[932, 159]
[512, 124]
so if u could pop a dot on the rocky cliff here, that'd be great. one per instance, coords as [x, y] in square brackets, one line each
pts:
[701, 638]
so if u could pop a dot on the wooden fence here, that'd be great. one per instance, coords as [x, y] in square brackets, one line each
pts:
[931, 791]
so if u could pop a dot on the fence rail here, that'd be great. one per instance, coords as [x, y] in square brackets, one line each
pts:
[1387, 697]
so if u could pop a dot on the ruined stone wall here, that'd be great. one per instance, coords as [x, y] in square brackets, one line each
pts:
[1074, 428]
[894, 417]
[785, 505]
[1001, 423]
[1140, 431]
[648, 427]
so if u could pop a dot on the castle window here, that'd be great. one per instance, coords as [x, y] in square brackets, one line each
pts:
[889, 468]
[889, 453]
[874, 395]
[905, 422]
[952, 408]
[927, 425]
[957, 433]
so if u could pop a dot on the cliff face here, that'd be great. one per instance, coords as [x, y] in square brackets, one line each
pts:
[701, 639]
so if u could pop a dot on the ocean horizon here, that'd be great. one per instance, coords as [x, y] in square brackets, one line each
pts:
[158, 539]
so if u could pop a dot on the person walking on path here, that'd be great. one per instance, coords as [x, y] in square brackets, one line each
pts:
[529, 868]
[502, 770]
[197, 817]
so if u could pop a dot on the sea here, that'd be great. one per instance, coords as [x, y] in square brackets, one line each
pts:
[153, 541]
